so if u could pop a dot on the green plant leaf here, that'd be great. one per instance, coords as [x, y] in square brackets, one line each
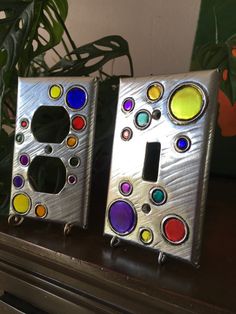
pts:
[14, 29]
[46, 32]
[28, 28]
[91, 57]
[214, 43]
[210, 56]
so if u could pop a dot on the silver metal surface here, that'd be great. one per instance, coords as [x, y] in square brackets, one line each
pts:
[182, 175]
[70, 205]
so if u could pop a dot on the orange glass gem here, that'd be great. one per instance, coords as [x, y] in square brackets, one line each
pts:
[71, 141]
[40, 211]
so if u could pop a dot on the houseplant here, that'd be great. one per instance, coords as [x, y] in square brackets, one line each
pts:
[29, 30]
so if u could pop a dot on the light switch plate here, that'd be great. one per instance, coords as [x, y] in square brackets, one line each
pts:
[160, 162]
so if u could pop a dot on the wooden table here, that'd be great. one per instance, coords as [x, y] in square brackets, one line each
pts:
[82, 274]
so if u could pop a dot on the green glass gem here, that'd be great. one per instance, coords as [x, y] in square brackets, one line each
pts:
[142, 119]
[19, 138]
[158, 196]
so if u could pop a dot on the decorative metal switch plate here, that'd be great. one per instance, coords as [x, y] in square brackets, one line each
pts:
[160, 161]
[53, 148]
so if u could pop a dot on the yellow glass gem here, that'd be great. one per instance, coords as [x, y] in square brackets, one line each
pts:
[71, 141]
[146, 236]
[186, 103]
[154, 92]
[40, 211]
[21, 203]
[55, 91]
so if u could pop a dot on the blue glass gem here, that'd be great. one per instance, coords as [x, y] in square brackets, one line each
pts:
[183, 144]
[122, 217]
[18, 181]
[76, 98]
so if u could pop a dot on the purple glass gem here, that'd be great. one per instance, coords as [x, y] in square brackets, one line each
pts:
[18, 181]
[122, 217]
[24, 160]
[126, 188]
[72, 179]
[128, 104]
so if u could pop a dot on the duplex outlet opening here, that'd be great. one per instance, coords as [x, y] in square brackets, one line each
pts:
[47, 174]
[50, 124]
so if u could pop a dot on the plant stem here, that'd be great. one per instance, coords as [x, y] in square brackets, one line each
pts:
[66, 49]
[66, 30]
[56, 52]
[131, 65]
[40, 65]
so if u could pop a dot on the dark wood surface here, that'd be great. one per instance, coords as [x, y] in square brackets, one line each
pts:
[128, 278]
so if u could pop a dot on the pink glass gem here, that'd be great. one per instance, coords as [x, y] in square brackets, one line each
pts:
[126, 188]
[126, 134]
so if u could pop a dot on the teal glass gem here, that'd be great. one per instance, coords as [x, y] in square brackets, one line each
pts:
[158, 196]
[142, 119]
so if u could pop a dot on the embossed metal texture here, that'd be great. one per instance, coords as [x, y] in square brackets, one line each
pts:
[70, 204]
[170, 205]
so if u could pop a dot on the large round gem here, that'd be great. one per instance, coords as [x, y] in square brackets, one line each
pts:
[55, 92]
[76, 98]
[186, 103]
[122, 217]
[174, 229]
[154, 92]
[21, 203]
[78, 123]
[24, 160]
[18, 181]
[143, 119]
[128, 105]
[158, 196]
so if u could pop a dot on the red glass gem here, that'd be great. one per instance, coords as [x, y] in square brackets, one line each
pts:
[175, 230]
[24, 123]
[78, 123]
